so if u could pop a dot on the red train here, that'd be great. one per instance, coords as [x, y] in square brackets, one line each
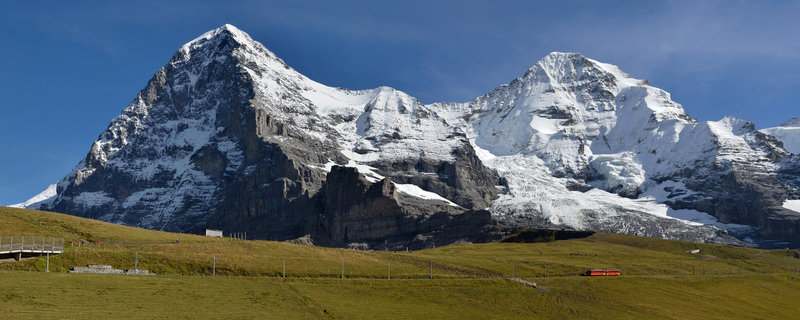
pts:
[600, 272]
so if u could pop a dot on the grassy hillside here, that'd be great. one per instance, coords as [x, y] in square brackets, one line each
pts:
[658, 278]
[194, 255]
[63, 296]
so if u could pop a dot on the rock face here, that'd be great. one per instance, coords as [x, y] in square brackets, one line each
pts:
[227, 136]
[375, 212]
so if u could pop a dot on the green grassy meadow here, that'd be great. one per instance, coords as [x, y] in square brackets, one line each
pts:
[660, 279]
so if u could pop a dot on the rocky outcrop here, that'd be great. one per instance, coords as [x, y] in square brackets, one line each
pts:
[746, 186]
[357, 210]
[464, 180]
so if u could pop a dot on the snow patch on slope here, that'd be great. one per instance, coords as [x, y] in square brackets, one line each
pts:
[92, 199]
[697, 218]
[618, 171]
[414, 191]
[793, 205]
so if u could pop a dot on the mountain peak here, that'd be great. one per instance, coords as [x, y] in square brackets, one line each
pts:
[236, 33]
[566, 67]
[562, 55]
[228, 40]
[226, 31]
[229, 27]
[556, 61]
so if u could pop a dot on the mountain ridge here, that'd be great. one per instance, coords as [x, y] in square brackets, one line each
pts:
[228, 135]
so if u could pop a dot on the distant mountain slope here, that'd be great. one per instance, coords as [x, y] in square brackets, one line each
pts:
[226, 135]
[43, 198]
[787, 133]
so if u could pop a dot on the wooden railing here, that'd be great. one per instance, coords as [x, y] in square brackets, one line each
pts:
[31, 244]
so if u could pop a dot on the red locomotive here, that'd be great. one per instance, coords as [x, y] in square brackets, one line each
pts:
[601, 272]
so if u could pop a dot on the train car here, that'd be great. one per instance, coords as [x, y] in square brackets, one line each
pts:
[601, 272]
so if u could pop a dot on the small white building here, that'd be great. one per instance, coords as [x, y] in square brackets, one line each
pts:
[214, 233]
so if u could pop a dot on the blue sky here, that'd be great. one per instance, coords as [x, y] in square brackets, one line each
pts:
[68, 67]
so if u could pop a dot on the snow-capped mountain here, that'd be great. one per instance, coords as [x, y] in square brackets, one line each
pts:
[226, 135]
[581, 144]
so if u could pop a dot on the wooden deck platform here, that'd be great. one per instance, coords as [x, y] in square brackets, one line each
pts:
[22, 247]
